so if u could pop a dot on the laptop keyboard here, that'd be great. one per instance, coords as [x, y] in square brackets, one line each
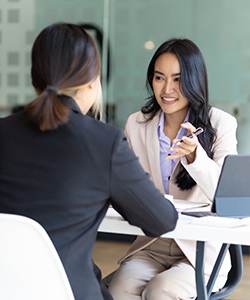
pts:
[199, 213]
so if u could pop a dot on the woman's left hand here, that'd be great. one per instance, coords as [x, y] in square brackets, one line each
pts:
[187, 147]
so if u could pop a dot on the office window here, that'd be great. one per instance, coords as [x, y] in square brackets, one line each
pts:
[13, 16]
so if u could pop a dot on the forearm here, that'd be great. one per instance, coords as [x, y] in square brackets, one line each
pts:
[204, 170]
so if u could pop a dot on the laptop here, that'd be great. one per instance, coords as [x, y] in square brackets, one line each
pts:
[232, 195]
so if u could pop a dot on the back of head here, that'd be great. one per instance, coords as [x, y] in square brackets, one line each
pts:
[64, 57]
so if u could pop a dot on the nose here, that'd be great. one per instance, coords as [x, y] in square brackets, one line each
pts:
[168, 87]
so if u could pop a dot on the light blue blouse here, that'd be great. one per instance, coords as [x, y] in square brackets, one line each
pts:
[167, 165]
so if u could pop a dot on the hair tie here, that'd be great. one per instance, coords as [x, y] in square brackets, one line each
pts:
[52, 88]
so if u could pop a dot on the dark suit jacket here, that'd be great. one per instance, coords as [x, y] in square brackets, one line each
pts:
[65, 179]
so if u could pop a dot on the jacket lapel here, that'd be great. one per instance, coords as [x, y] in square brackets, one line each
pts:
[153, 151]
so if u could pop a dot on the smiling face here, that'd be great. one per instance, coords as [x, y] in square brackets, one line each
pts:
[166, 86]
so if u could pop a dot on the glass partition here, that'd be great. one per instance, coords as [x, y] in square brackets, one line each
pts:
[127, 33]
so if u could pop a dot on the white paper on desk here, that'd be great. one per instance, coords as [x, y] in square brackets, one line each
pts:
[220, 221]
[111, 212]
[184, 205]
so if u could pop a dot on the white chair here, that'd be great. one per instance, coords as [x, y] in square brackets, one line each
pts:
[30, 268]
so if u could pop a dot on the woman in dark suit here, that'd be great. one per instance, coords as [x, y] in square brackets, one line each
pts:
[63, 168]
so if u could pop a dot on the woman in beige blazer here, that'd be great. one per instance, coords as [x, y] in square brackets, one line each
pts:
[162, 269]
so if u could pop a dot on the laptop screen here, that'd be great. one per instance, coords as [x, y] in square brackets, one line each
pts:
[232, 196]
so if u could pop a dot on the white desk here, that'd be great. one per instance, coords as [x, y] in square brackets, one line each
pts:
[185, 230]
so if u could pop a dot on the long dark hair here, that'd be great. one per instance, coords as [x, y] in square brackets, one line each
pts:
[194, 87]
[63, 56]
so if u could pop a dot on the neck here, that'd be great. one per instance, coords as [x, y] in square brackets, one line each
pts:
[172, 123]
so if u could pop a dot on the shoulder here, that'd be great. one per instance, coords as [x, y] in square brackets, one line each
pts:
[141, 120]
[219, 117]
[95, 131]
[93, 124]
[13, 121]
[135, 123]
[216, 113]
[136, 117]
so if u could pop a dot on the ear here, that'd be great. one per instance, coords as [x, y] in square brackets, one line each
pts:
[38, 92]
[86, 88]
[92, 85]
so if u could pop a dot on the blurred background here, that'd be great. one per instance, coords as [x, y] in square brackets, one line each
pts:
[127, 33]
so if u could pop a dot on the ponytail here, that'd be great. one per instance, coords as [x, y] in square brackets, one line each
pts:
[64, 57]
[47, 112]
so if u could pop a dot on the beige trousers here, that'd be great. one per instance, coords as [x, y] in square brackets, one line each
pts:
[158, 272]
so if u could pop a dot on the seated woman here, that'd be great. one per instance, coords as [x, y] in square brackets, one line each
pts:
[164, 269]
[64, 168]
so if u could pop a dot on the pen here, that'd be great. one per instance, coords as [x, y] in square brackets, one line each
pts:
[196, 132]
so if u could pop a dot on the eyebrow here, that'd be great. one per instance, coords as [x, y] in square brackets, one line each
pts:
[173, 75]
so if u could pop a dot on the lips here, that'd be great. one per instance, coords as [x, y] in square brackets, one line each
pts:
[169, 99]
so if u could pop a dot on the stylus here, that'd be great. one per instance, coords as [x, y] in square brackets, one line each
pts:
[196, 132]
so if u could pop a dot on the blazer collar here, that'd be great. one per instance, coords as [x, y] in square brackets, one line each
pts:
[71, 102]
[153, 151]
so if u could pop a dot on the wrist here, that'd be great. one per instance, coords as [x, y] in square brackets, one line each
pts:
[191, 157]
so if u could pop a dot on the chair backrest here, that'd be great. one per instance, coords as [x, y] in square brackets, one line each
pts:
[234, 276]
[30, 267]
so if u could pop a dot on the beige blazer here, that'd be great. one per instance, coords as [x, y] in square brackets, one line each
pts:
[143, 139]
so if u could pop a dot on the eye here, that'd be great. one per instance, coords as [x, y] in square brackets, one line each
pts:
[157, 77]
[178, 79]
